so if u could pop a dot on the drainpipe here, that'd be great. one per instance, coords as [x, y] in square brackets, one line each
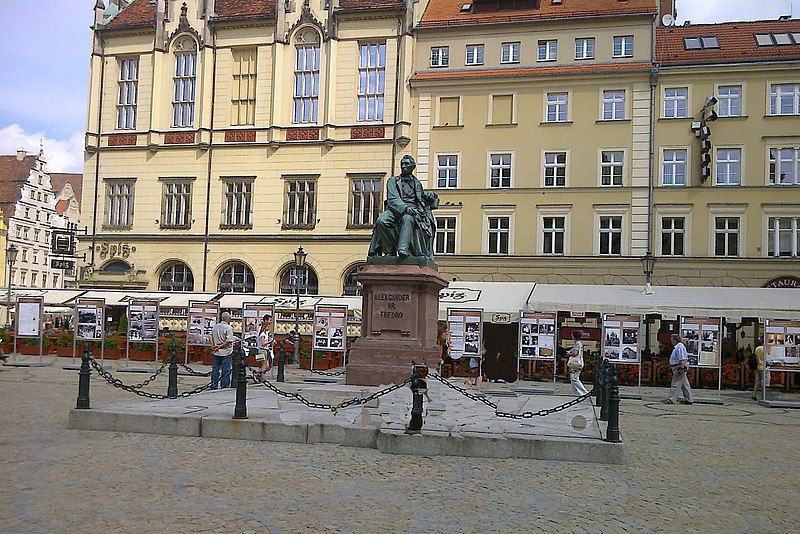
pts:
[652, 141]
[97, 40]
[398, 66]
[210, 148]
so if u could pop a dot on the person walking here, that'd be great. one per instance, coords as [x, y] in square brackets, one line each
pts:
[265, 342]
[222, 339]
[761, 372]
[575, 364]
[679, 360]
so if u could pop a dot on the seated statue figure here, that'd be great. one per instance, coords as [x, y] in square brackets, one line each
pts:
[406, 227]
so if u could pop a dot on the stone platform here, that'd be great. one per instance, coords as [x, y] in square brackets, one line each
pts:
[454, 425]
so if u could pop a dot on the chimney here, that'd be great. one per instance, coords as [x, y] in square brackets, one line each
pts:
[21, 154]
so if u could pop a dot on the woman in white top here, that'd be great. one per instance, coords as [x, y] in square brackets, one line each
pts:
[265, 341]
[575, 364]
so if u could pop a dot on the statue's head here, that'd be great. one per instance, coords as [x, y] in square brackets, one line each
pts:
[407, 165]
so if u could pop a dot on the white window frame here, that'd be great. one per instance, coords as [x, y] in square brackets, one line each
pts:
[730, 211]
[237, 202]
[474, 55]
[623, 43]
[675, 105]
[547, 50]
[510, 52]
[558, 102]
[673, 163]
[440, 57]
[176, 202]
[501, 166]
[613, 108]
[243, 92]
[455, 231]
[308, 197]
[127, 92]
[370, 201]
[584, 48]
[449, 170]
[768, 232]
[611, 210]
[184, 83]
[554, 168]
[720, 166]
[674, 211]
[793, 164]
[371, 81]
[498, 212]
[778, 91]
[727, 102]
[621, 165]
[120, 194]
[305, 95]
[553, 211]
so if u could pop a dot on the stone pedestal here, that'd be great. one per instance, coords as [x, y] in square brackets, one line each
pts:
[398, 324]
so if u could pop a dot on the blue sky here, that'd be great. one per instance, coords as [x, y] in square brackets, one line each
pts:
[44, 66]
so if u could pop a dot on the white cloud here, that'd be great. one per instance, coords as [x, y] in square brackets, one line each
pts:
[62, 155]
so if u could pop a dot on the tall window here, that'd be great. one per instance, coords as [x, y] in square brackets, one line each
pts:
[675, 102]
[440, 56]
[119, 203]
[548, 50]
[584, 48]
[611, 167]
[726, 236]
[365, 201]
[784, 99]
[729, 101]
[623, 46]
[729, 166]
[610, 236]
[500, 170]
[553, 235]
[243, 92]
[127, 93]
[784, 237]
[499, 232]
[371, 81]
[613, 105]
[445, 236]
[672, 236]
[555, 169]
[557, 107]
[176, 205]
[446, 171]
[183, 83]
[509, 53]
[306, 78]
[237, 209]
[474, 55]
[784, 166]
[236, 278]
[176, 277]
[673, 171]
[300, 203]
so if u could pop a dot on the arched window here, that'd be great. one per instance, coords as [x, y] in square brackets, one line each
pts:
[236, 278]
[117, 266]
[176, 277]
[184, 77]
[309, 284]
[351, 286]
[306, 77]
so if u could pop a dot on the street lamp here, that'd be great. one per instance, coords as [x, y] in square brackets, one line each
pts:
[11, 257]
[299, 263]
[648, 264]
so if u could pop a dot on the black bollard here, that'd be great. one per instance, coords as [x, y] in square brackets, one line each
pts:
[172, 385]
[599, 362]
[83, 379]
[240, 411]
[612, 429]
[606, 382]
[235, 369]
[418, 387]
[281, 361]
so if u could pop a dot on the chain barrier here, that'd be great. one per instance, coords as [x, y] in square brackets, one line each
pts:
[152, 377]
[117, 383]
[337, 373]
[193, 372]
[508, 415]
[344, 404]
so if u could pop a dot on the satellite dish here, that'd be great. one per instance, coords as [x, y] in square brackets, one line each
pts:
[667, 20]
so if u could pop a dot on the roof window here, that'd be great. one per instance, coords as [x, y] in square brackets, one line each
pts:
[700, 43]
[777, 39]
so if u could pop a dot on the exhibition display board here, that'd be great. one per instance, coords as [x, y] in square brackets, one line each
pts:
[143, 324]
[782, 345]
[257, 319]
[89, 323]
[28, 321]
[620, 341]
[702, 337]
[537, 340]
[330, 331]
[200, 320]
[465, 327]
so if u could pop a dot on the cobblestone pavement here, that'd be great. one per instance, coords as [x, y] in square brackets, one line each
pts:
[701, 468]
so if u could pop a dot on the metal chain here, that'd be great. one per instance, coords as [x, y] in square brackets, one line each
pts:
[508, 415]
[337, 373]
[344, 404]
[117, 383]
[153, 377]
[193, 372]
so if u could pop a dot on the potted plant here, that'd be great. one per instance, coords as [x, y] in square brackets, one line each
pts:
[31, 345]
[169, 343]
[64, 342]
[141, 351]
[111, 347]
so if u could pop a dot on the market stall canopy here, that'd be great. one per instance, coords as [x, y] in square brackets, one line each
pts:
[500, 301]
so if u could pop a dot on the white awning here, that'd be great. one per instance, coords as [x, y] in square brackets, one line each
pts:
[500, 301]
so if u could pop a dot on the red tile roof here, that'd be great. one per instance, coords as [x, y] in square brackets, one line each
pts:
[737, 43]
[362, 5]
[448, 12]
[13, 175]
[442, 75]
[140, 14]
[238, 10]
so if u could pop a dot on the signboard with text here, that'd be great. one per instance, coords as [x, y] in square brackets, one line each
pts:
[702, 337]
[537, 335]
[466, 332]
[620, 343]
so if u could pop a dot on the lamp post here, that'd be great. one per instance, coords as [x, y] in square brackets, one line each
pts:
[11, 257]
[648, 263]
[299, 263]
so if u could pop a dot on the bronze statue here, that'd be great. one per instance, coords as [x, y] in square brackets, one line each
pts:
[406, 227]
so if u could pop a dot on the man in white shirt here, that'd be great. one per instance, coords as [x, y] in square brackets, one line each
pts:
[222, 339]
[679, 360]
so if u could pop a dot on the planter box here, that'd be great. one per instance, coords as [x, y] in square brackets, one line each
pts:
[24, 348]
[142, 355]
[67, 351]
